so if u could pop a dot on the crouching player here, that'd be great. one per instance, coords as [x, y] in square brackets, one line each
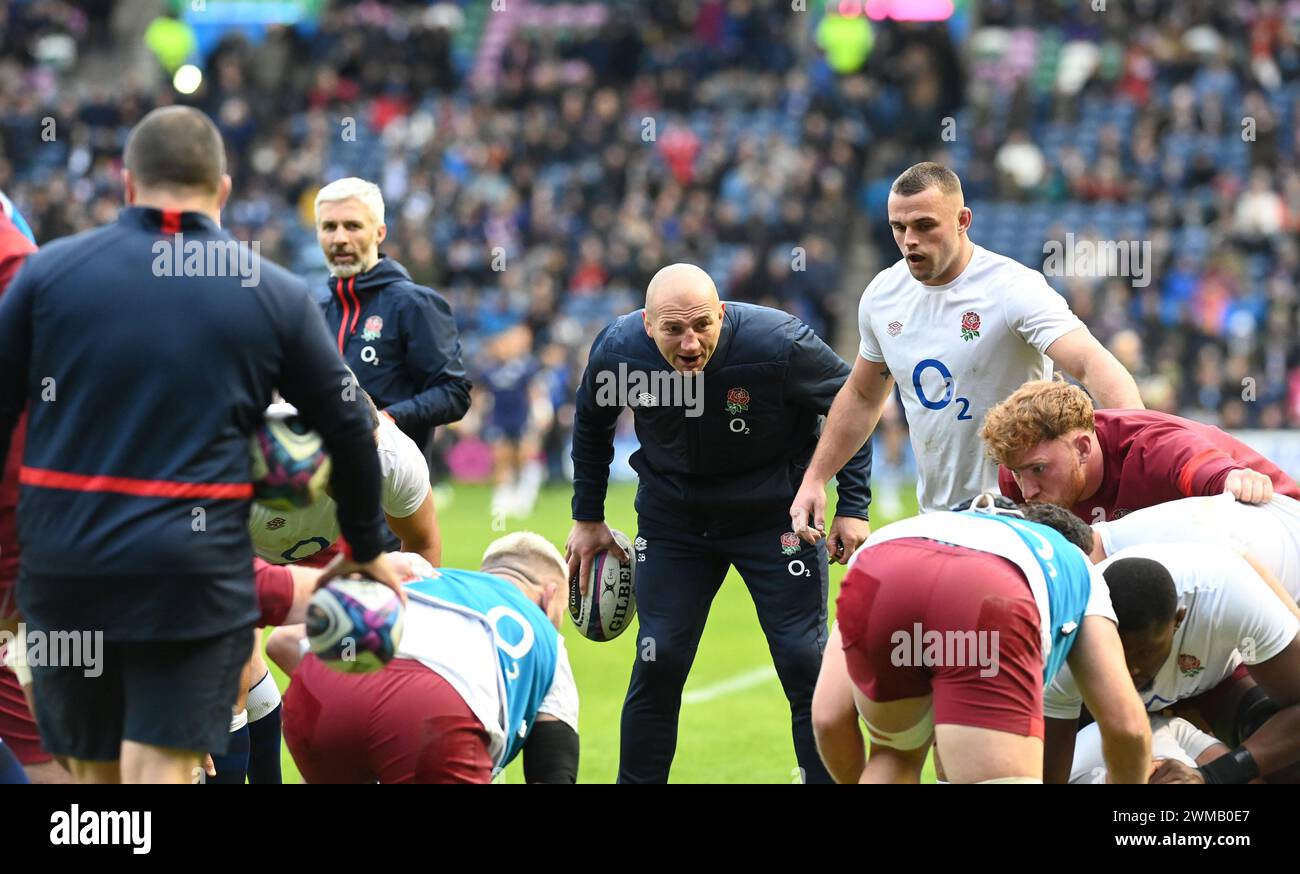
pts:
[309, 534]
[1200, 630]
[1009, 602]
[480, 674]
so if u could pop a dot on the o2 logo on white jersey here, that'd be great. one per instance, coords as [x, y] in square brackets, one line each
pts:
[963, 415]
[518, 650]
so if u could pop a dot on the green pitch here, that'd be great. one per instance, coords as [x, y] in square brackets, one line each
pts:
[735, 722]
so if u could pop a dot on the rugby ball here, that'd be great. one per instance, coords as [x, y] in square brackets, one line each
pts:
[290, 465]
[354, 626]
[609, 606]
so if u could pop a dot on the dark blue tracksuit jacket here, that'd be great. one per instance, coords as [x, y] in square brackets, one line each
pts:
[142, 391]
[715, 492]
[701, 464]
[401, 341]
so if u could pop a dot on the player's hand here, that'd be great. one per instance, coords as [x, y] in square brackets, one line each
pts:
[379, 569]
[808, 512]
[1249, 486]
[845, 536]
[1173, 771]
[586, 540]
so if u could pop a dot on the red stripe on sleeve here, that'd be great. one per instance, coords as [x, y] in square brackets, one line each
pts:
[1192, 466]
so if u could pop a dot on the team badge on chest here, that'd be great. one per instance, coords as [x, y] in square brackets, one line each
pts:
[970, 325]
[737, 401]
[1189, 665]
[373, 328]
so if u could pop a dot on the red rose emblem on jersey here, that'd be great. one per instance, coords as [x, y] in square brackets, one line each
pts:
[970, 325]
[789, 543]
[737, 401]
[1190, 665]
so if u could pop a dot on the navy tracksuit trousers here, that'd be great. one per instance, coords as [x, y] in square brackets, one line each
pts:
[682, 560]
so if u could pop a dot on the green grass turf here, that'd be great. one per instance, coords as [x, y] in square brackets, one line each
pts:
[737, 737]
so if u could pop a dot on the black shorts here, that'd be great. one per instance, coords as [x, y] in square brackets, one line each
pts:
[176, 694]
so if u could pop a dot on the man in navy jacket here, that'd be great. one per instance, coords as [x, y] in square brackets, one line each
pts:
[145, 352]
[398, 337]
[727, 401]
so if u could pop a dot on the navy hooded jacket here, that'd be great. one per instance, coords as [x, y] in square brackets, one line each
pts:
[401, 341]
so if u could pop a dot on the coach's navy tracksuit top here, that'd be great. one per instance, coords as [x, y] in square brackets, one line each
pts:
[413, 368]
[142, 390]
[767, 384]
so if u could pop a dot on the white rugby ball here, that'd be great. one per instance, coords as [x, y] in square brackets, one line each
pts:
[609, 606]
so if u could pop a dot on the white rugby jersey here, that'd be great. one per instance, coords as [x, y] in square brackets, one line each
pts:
[1171, 738]
[1232, 617]
[283, 537]
[956, 350]
[1269, 532]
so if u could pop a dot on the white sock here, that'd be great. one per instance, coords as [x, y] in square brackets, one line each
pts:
[263, 697]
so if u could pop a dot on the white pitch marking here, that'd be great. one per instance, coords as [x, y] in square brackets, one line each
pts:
[732, 684]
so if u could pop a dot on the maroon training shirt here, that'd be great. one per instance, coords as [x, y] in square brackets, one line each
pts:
[14, 249]
[1154, 457]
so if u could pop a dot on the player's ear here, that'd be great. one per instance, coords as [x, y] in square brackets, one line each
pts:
[645, 320]
[381, 234]
[1082, 445]
[223, 191]
[128, 187]
[964, 219]
[1179, 616]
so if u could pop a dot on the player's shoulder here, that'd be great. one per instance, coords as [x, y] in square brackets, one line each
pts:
[768, 326]
[64, 255]
[625, 337]
[281, 280]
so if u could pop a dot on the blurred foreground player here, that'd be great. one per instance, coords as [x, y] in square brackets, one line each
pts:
[952, 623]
[481, 674]
[718, 466]
[1102, 464]
[135, 472]
[17, 726]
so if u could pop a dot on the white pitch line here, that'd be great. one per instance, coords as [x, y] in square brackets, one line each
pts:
[732, 684]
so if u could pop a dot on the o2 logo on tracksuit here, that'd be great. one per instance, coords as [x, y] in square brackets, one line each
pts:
[963, 414]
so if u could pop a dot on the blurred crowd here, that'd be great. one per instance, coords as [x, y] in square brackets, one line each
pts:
[1167, 122]
[540, 161]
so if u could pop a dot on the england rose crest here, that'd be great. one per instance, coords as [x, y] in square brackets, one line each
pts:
[789, 543]
[970, 325]
[1190, 665]
[373, 328]
[737, 401]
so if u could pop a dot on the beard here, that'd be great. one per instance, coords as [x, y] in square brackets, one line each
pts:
[343, 271]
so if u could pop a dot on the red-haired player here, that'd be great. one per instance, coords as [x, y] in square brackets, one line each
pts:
[1055, 448]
